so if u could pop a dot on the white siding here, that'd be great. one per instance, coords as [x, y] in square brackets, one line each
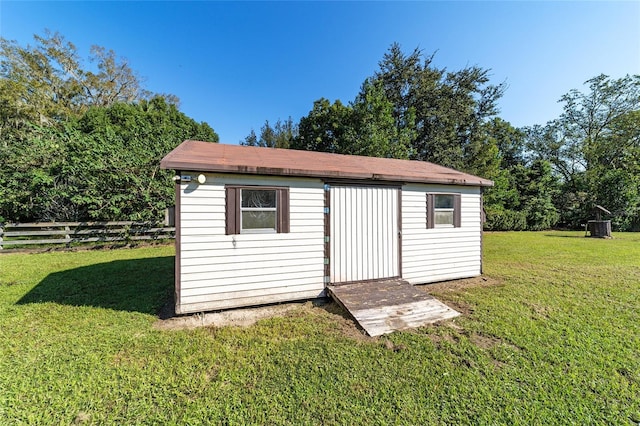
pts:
[438, 254]
[364, 233]
[219, 271]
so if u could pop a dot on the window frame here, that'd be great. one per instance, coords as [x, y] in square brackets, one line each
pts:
[431, 210]
[274, 209]
[437, 210]
[234, 209]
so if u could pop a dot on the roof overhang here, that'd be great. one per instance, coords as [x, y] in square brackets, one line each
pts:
[234, 159]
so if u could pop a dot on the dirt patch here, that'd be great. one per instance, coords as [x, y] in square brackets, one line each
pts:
[333, 308]
[81, 418]
[453, 325]
[345, 325]
[389, 345]
[487, 342]
[539, 310]
[438, 339]
[342, 324]
[242, 317]
[484, 342]
[464, 308]
[627, 374]
[498, 365]
[457, 285]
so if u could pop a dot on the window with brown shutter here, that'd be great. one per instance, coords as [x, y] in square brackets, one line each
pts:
[257, 210]
[443, 210]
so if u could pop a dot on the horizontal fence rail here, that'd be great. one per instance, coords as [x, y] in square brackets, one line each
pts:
[14, 235]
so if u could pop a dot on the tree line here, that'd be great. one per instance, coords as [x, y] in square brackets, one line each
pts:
[82, 140]
[545, 176]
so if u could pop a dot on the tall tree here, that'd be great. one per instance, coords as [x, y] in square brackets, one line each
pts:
[447, 109]
[48, 82]
[375, 132]
[250, 140]
[410, 109]
[325, 128]
[285, 132]
[595, 141]
[364, 127]
[525, 189]
[82, 142]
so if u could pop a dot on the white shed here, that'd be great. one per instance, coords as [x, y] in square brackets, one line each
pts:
[262, 225]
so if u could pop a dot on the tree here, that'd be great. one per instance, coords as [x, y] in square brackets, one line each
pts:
[267, 136]
[279, 136]
[325, 128]
[447, 109]
[364, 127]
[78, 142]
[410, 109]
[48, 83]
[614, 172]
[250, 140]
[537, 188]
[595, 140]
[525, 190]
[103, 165]
[374, 130]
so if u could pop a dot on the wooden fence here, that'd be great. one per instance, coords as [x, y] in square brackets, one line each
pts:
[19, 235]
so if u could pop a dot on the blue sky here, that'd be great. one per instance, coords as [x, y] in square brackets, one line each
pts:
[235, 64]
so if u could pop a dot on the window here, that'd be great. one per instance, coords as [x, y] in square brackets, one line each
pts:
[257, 210]
[443, 210]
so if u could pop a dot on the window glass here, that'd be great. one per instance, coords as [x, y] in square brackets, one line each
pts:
[259, 198]
[443, 201]
[443, 211]
[258, 211]
[444, 217]
[258, 220]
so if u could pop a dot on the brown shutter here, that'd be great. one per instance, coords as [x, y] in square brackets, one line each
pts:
[232, 210]
[283, 210]
[456, 210]
[430, 211]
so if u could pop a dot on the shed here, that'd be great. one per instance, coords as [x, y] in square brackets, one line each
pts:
[264, 225]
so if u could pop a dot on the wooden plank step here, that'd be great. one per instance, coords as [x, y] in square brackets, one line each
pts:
[386, 306]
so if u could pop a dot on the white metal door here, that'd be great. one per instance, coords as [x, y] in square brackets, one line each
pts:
[364, 238]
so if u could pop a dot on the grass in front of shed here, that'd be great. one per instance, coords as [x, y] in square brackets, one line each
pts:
[555, 341]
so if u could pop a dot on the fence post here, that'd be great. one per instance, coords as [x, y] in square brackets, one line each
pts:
[67, 236]
[1, 234]
[170, 216]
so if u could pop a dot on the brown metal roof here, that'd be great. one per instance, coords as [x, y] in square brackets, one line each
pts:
[221, 158]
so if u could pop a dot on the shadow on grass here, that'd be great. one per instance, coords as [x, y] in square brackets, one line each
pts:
[568, 236]
[137, 285]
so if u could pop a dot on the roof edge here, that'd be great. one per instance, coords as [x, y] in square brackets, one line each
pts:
[167, 164]
[192, 155]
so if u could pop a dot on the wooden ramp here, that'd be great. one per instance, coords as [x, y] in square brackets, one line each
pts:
[381, 307]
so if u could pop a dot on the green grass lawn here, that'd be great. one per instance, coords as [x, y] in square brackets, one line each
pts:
[555, 340]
